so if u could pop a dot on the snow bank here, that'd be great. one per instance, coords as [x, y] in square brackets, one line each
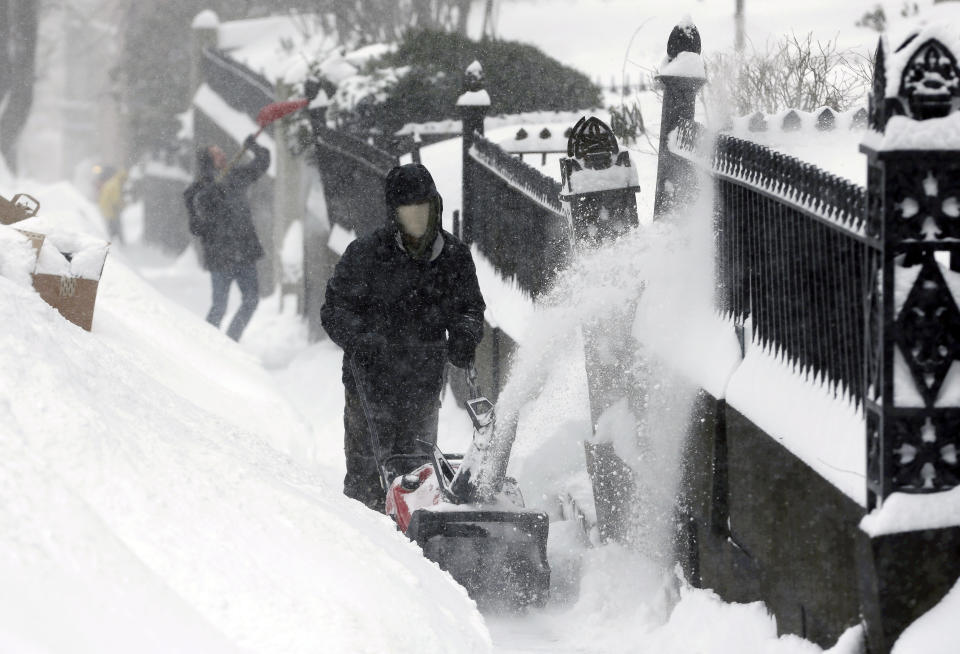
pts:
[930, 633]
[17, 257]
[153, 501]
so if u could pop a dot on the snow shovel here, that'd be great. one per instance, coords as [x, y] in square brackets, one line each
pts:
[497, 550]
[272, 112]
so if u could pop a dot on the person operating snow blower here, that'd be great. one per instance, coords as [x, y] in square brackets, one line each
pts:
[401, 302]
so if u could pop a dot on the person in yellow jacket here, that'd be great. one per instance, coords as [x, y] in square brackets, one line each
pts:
[110, 199]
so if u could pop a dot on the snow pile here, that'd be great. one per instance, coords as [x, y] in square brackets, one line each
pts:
[906, 512]
[685, 64]
[275, 45]
[930, 633]
[474, 99]
[904, 133]
[589, 180]
[627, 604]
[17, 256]
[373, 87]
[152, 499]
[205, 20]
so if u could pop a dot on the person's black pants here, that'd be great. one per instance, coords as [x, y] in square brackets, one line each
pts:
[400, 424]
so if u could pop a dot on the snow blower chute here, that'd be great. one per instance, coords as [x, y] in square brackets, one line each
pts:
[486, 539]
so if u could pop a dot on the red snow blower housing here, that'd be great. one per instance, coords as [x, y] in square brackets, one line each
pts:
[495, 548]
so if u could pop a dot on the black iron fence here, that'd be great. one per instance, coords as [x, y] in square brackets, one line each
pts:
[792, 257]
[516, 218]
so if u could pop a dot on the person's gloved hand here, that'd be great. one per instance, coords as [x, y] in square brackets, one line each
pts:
[250, 141]
[369, 348]
[460, 351]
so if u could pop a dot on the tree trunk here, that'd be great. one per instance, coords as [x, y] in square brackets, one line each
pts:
[18, 38]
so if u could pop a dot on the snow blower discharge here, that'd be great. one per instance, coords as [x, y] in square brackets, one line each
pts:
[465, 514]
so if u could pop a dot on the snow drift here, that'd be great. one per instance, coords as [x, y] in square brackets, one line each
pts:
[159, 495]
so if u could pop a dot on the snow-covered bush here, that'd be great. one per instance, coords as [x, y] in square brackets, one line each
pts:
[420, 80]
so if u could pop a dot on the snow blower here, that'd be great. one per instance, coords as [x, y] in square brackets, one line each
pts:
[489, 543]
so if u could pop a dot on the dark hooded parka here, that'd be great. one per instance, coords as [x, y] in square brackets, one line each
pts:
[220, 211]
[401, 307]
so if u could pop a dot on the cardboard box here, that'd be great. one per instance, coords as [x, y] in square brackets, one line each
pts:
[21, 207]
[73, 295]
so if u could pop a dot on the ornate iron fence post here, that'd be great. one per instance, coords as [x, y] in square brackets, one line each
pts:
[912, 383]
[472, 105]
[681, 77]
[914, 225]
[599, 184]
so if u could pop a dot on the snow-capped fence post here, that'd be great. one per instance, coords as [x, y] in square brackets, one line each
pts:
[907, 557]
[205, 34]
[681, 76]
[599, 186]
[472, 105]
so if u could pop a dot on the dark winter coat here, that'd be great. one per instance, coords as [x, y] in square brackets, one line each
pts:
[385, 305]
[220, 212]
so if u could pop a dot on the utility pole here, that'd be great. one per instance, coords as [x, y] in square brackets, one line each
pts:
[740, 39]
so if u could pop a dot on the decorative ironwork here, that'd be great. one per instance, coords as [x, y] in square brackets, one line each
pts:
[924, 452]
[913, 422]
[809, 189]
[928, 330]
[930, 84]
[877, 118]
[473, 77]
[826, 120]
[926, 203]
[520, 226]
[790, 253]
[593, 142]
[684, 37]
